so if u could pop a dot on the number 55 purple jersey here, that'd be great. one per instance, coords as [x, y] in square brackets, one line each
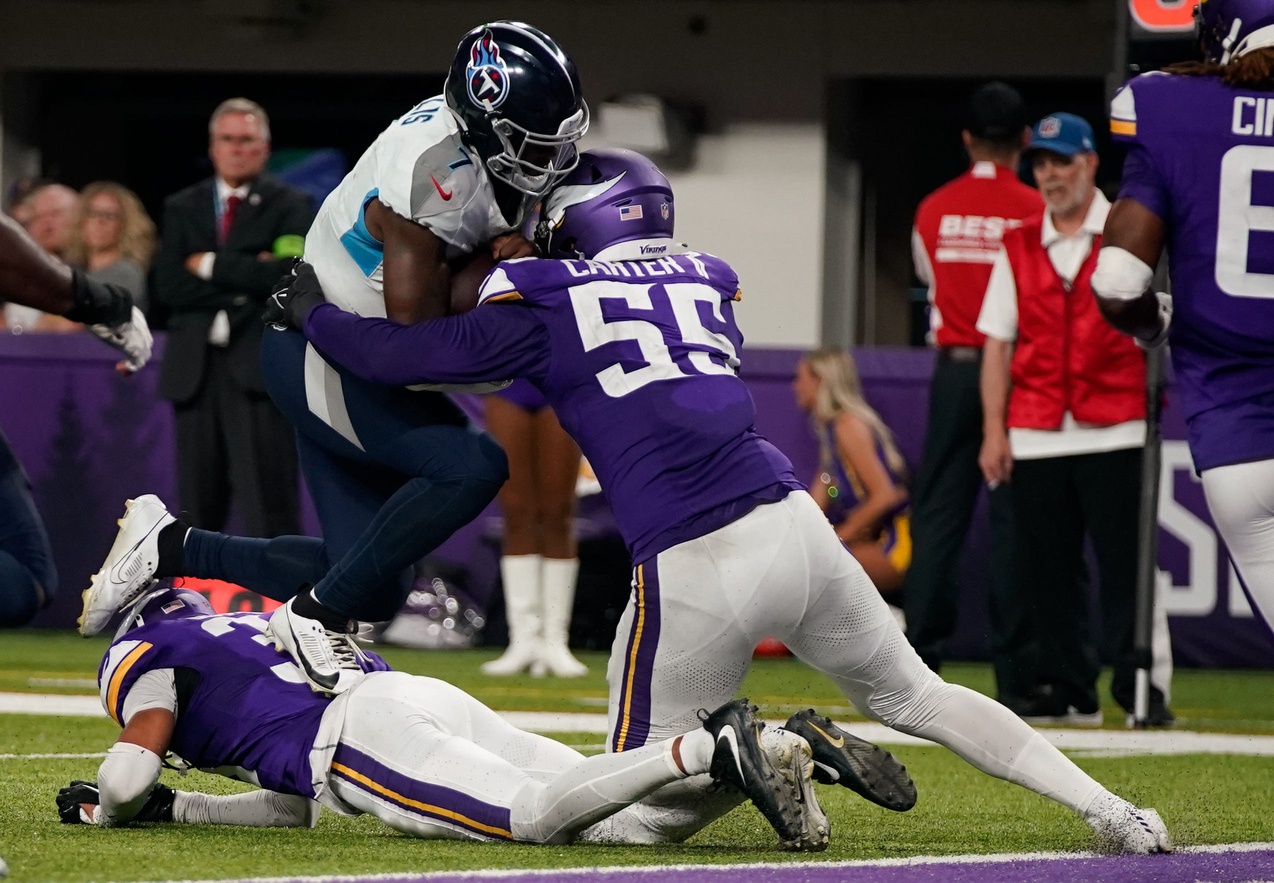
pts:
[638, 360]
[1201, 158]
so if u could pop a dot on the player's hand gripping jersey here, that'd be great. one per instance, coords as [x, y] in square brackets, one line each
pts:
[637, 358]
[1201, 158]
[242, 709]
[420, 168]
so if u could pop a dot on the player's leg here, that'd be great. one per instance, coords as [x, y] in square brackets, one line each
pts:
[404, 756]
[942, 506]
[1241, 500]
[449, 471]
[521, 562]
[848, 634]
[685, 642]
[558, 459]
[28, 578]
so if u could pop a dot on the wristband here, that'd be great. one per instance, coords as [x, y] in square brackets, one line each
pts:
[98, 303]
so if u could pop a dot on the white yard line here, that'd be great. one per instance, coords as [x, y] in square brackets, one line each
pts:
[1090, 742]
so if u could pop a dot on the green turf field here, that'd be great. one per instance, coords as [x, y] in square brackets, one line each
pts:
[1204, 798]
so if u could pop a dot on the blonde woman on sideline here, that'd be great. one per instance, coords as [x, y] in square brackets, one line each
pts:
[860, 483]
[113, 239]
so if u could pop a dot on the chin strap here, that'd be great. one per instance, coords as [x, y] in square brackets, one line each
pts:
[1261, 38]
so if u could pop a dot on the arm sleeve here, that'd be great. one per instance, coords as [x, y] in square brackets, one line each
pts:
[1142, 182]
[998, 318]
[482, 345]
[154, 689]
[920, 257]
[124, 781]
[254, 809]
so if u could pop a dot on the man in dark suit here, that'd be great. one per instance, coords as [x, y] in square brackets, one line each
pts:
[226, 241]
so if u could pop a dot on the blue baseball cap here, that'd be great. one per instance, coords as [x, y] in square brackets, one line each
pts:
[1062, 133]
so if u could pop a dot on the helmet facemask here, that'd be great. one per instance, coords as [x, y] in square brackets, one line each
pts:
[532, 162]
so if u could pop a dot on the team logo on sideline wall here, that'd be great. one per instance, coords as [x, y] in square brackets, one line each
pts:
[488, 76]
[1163, 16]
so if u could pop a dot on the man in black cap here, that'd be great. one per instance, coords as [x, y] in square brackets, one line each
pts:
[956, 237]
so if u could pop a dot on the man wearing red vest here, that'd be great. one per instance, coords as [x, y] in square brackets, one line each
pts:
[957, 235]
[1064, 397]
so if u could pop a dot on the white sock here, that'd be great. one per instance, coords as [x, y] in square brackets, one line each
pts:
[998, 742]
[696, 750]
[594, 788]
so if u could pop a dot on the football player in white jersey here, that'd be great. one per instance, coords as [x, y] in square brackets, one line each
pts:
[393, 472]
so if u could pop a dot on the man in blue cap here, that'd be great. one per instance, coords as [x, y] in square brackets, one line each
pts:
[1064, 399]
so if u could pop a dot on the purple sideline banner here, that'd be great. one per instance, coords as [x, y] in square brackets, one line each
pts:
[90, 439]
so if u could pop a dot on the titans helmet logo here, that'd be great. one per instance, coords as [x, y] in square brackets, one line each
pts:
[487, 74]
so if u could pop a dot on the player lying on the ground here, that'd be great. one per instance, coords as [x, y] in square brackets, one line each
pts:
[632, 339]
[423, 756]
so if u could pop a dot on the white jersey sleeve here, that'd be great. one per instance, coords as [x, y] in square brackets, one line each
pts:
[420, 168]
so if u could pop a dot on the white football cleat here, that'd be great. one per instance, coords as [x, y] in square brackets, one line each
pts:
[1124, 828]
[130, 565]
[330, 661]
[793, 759]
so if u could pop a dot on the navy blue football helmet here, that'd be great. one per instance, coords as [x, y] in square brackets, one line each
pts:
[1229, 29]
[517, 97]
[164, 602]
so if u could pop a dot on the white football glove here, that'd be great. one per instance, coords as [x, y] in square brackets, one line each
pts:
[1165, 322]
[132, 339]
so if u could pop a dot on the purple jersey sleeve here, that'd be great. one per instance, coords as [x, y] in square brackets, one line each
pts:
[482, 345]
[1143, 184]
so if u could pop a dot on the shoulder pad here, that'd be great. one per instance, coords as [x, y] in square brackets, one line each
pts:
[514, 280]
[1135, 101]
[125, 661]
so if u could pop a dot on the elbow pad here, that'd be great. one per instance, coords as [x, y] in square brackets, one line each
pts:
[1121, 275]
[124, 781]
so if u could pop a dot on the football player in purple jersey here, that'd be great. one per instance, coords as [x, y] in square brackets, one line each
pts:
[209, 692]
[1199, 181]
[631, 337]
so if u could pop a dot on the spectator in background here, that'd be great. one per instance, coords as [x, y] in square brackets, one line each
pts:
[49, 214]
[1065, 400]
[860, 484]
[538, 563]
[225, 242]
[957, 234]
[113, 239]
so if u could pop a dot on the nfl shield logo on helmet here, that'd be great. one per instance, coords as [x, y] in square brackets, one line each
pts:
[488, 76]
[663, 210]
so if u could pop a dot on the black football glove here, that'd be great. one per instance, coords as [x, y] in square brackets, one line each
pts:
[293, 297]
[70, 798]
[157, 808]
